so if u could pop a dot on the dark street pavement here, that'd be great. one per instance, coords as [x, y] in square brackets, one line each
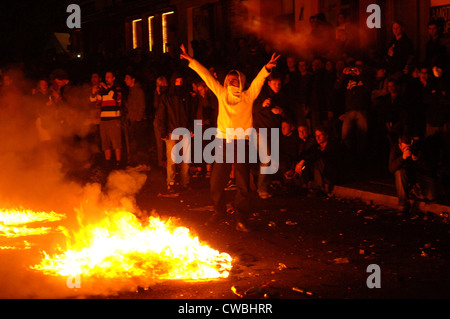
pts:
[307, 247]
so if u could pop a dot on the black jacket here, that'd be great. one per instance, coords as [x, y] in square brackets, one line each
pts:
[263, 117]
[331, 157]
[403, 54]
[422, 165]
[173, 112]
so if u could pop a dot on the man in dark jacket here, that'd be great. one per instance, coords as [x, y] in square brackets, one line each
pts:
[400, 54]
[268, 110]
[173, 113]
[436, 51]
[137, 125]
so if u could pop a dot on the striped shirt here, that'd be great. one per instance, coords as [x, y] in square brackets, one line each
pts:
[110, 103]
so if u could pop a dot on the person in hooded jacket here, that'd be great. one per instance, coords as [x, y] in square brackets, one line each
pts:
[234, 112]
[173, 113]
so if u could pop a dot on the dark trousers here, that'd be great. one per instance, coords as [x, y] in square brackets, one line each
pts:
[220, 176]
[408, 179]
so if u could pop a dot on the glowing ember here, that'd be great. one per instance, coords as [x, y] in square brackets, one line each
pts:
[13, 223]
[121, 246]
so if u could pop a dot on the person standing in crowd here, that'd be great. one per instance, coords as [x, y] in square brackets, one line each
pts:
[109, 97]
[205, 110]
[235, 112]
[173, 113]
[136, 123]
[161, 88]
[268, 109]
[435, 50]
[400, 55]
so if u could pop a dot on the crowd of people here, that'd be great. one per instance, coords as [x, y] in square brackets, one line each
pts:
[338, 112]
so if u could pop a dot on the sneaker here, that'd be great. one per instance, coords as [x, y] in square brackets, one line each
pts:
[264, 195]
[231, 185]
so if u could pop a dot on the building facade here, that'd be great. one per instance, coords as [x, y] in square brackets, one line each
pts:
[119, 27]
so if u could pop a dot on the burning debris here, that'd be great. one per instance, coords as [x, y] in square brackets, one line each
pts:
[120, 246]
[14, 223]
[106, 241]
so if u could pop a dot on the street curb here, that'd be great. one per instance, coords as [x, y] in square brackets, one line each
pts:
[372, 198]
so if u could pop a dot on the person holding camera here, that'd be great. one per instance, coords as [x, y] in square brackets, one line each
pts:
[414, 179]
[357, 102]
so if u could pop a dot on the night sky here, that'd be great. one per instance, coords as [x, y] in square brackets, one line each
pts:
[26, 27]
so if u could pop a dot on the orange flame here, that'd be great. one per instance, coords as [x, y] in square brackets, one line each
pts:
[13, 223]
[121, 246]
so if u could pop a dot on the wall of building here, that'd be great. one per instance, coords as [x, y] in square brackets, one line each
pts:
[225, 20]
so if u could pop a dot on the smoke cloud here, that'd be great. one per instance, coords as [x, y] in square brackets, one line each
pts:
[286, 38]
[36, 173]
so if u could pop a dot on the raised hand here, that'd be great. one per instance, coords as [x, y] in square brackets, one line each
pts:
[273, 62]
[184, 54]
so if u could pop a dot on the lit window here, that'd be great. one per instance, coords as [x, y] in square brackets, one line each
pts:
[165, 29]
[137, 33]
[150, 33]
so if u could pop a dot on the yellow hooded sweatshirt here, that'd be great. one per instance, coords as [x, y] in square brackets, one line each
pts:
[235, 104]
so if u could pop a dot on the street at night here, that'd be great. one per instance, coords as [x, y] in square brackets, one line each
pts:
[316, 244]
[301, 247]
[202, 155]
